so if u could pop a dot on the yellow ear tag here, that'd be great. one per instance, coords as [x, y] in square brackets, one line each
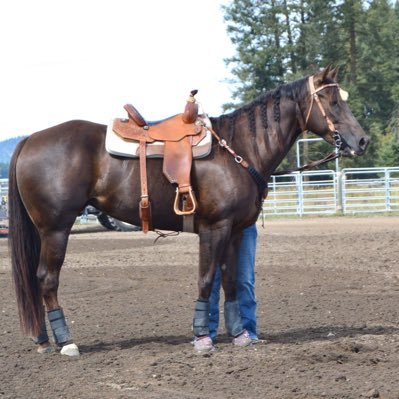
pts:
[344, 94]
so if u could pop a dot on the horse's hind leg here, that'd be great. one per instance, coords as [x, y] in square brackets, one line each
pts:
[42, 340]
[52, 254]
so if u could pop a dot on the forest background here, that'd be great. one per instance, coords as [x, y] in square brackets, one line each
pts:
[277, 41]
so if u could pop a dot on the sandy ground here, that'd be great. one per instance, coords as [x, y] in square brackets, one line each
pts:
[328, 296]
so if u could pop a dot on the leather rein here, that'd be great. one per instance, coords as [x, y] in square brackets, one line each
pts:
[258, 178]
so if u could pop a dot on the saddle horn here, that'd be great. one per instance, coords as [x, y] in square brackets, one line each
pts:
[190, 114]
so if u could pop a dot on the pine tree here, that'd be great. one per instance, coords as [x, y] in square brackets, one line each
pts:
[256, 30]
[282, 40]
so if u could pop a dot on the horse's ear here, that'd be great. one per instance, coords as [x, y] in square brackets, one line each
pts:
[334, 73]
[321, 76]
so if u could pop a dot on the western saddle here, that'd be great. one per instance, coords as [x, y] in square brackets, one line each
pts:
[178, 133]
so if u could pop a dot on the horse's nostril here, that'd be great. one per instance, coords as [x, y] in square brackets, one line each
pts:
[363, 142]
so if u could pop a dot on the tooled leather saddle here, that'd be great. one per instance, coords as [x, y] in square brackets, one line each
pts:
[179, 134]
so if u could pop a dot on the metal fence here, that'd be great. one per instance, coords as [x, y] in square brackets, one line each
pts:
[323, 192]
[3, 198]
[302, 193]
[326, 192]
[370, 190]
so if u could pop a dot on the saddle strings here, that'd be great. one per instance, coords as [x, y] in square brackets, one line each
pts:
[165, 235]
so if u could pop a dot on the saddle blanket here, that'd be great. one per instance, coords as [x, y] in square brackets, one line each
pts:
[116, 145]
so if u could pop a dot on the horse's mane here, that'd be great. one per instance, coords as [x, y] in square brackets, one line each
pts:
[295, 91]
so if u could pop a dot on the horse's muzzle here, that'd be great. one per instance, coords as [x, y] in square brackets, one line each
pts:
[359, 149]
[363, 144]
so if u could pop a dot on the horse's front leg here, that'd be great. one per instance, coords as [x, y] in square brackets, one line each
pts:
[213, 244]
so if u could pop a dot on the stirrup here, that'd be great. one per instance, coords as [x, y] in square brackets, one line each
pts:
[192, 200]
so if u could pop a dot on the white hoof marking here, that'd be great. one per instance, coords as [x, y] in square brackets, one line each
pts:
[70, 350]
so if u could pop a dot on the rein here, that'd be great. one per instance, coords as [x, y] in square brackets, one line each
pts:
[328, 158]
[256, 176]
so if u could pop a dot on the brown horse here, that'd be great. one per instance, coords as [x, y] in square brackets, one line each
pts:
[55, 173]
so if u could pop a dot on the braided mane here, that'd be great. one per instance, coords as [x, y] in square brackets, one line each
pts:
[295, 91]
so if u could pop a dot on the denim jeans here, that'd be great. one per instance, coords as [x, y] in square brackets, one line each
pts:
[245, 286]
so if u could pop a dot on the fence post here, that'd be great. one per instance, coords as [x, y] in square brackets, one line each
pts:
[339, 190]
[299, 189]
[387, 177]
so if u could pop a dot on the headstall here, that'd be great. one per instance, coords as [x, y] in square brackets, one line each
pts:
[338, 140]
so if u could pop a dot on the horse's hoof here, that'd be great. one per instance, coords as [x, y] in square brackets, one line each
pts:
[242, 340]
[203, 345]
[70, 350]
[44, 349]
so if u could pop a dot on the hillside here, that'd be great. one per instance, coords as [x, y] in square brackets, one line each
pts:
[7, 148]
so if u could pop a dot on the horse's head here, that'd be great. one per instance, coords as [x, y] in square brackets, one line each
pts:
[328, 115]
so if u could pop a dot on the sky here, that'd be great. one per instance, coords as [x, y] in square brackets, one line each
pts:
[85, 59]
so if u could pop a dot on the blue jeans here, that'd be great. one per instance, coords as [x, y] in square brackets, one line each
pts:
[245, 286]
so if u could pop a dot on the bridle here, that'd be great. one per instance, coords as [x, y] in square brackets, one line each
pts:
[339, 141]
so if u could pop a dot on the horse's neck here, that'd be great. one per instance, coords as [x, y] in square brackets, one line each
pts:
[276, 142]
[263, 148]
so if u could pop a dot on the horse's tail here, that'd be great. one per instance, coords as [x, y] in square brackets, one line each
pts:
[24, 244]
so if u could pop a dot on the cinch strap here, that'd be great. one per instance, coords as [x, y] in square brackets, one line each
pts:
[58, 326]
[201, 318]
[232, 318]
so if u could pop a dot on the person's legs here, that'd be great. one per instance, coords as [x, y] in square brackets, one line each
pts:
[214, 305]
[245, 286]
[246, 280]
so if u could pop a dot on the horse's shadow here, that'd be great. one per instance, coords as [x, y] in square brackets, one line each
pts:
[325, 333]
[103, 346]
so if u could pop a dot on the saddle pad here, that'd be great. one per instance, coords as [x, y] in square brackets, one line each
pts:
[116, 145]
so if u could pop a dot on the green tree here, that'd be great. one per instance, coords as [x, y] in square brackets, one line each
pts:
[378, 67]
[255, 29]
[282, 40]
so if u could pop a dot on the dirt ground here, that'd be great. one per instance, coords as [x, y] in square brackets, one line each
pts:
[328, 296]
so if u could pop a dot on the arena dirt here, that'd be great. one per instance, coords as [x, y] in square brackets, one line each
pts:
[328, 304]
